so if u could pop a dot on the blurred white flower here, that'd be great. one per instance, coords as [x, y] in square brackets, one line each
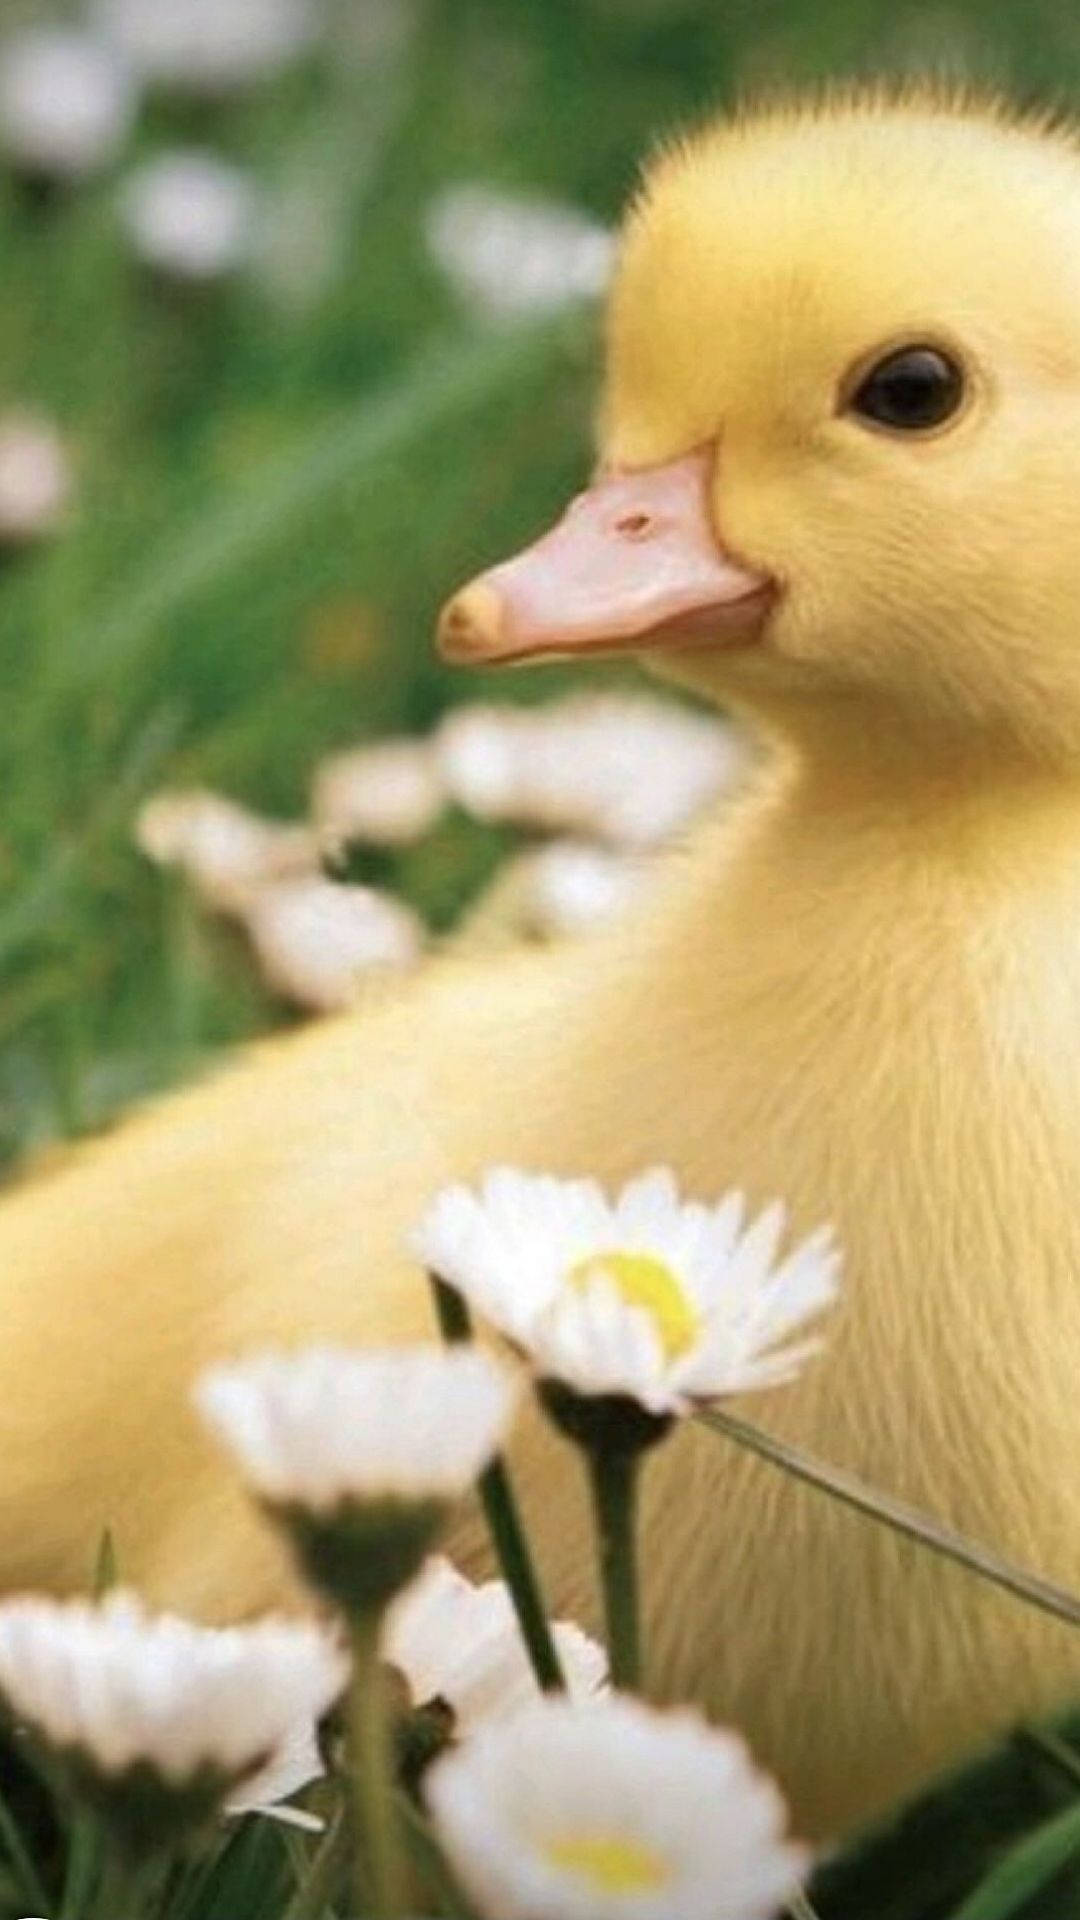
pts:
[515, 255]
[462, 1644]
[226, 851]
[327, 1425]
[665, 1300]
[389, 793]
[625, 768]
[35, 478]
[295, 1762]
[118, 1686]
[67, 102]
[208, 46]
[612, 1811]
[315, 939]
[189, 215]
[476, 746]
[573, 888]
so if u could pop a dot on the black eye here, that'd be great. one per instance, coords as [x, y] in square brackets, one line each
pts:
[910, 390]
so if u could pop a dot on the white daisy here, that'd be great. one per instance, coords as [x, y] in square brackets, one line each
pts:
[189, 215]
[513, 255]
[295, 1763]
[460, 1643]
[476, 747]
[572, 888]
[118, 1686]
[315, 939]
[621, 767]
[610, 1812]
[670, 1302]
[67, 102]
[225, 850]
[326, 1426]
[207, 46]
[389, 793]
[35, 478]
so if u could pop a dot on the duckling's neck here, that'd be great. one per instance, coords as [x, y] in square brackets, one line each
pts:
[867, 761]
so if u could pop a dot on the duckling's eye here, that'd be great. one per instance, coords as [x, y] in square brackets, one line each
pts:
[910, 390]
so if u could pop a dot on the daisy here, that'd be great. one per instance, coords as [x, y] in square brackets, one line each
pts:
[623, 768]
[67, 103]
[189, 215]
[35, 478]
[360, 1454]
[476, 746]
[669, 1302]
[388, 794]
[295, 1763]
[207, 46]
[516, 255]
[328, 1424]
[460, 1644]
[612, 1812]
[226, 851]
[358, 1457]
[155, 1719]
[315, 939]
[572, 888]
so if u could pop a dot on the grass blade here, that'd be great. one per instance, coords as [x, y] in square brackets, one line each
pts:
[902, 1518]
[1025, 1870]
[447, 379]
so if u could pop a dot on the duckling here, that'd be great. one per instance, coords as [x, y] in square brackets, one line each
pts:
[839, 460]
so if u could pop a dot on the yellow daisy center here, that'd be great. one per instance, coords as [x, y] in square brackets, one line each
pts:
[608, 1862]
[645, 1281]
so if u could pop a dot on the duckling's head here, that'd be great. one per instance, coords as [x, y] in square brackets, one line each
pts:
[839, 440]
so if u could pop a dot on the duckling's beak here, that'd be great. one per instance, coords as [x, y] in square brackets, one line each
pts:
[633, 563]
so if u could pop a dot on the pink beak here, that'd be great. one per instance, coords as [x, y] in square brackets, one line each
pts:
[633, 563]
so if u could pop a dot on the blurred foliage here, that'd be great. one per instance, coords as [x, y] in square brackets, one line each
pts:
[280, 477]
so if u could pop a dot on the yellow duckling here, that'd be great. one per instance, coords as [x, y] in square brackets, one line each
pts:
[838, 483]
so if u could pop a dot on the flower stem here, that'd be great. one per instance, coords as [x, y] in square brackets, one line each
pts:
[325, 1869]
[121, 1888]
[613, 1476]
[377, 1861]
[503, 1516]
[84, 1854]
[516, 1565]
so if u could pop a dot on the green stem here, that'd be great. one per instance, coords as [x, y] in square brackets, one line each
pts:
[428, 1859]
[511, 1544]
[503, 1516]
[613, 1476]
[377, 1863]
[897, 1514]
[84, 1849]
[121, 1888]
[326, 1868]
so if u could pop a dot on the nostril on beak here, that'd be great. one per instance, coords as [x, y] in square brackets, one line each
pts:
[635, 526]
[470, 625]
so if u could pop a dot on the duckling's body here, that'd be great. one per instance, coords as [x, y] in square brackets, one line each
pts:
[859, 991]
